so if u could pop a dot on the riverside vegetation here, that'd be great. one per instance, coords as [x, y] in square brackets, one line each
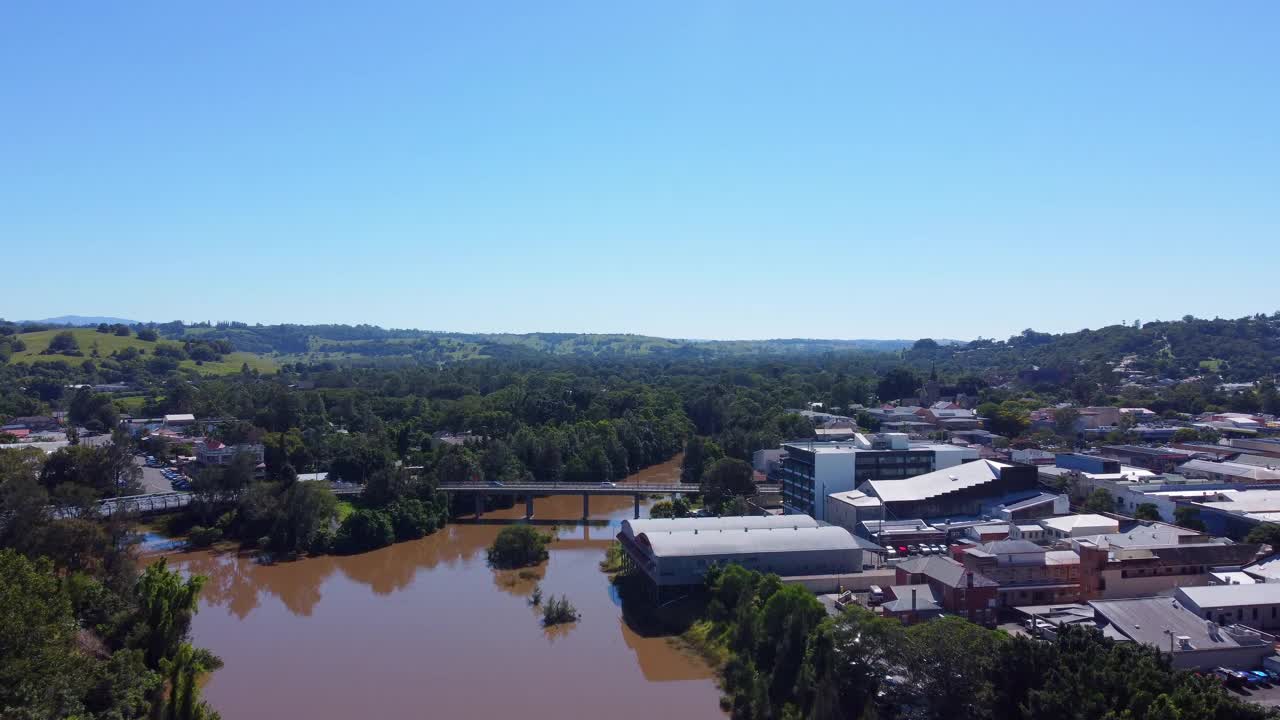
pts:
[781, 656]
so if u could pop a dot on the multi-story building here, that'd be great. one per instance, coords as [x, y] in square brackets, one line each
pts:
[1026, 573]
[810, 471]
[212, 452]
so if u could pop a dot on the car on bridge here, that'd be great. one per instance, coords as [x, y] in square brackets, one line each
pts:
[606, 483]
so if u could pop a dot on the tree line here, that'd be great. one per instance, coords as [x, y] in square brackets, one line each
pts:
[783, 657]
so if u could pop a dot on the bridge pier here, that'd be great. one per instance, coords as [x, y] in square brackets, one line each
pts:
[528, 507]
[637, 497]
[586, 506]
[479, 504]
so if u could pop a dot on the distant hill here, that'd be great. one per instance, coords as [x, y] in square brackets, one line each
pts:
[107, 344]
[352, 343]
[84, 320]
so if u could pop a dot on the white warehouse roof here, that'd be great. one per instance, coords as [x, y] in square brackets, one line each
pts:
[1089, 522]
[735, 522]
[938, 482]
[747, 541]
[1218, 596]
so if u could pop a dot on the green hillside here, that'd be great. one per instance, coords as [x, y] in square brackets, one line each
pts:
[107, 344]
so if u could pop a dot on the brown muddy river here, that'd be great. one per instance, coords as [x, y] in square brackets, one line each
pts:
[426, 629]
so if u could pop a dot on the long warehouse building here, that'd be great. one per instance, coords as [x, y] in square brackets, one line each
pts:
[679, 551]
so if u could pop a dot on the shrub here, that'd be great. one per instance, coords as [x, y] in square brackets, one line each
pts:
[322, 542]
[558, 610]
[518, 546]
[203, 537]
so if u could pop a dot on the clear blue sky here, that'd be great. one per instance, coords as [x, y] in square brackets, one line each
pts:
[686, 169]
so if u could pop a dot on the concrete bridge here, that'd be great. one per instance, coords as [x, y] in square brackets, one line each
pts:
[529, 490]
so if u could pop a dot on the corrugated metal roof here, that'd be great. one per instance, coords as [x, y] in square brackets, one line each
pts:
[749, 541]
[733, 522]
[920, 487]
[1229, 469]
[1151, 620]
[926, 601]
[1222, 596]
[1070, 523]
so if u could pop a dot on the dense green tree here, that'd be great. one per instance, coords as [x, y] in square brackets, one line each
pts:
[518, 546]
[725, 479]
[1188, 517]
[699, 453]
[64, 343]
[1265, 533]
[167, 602]
[365, 530]
[1100, 501]
[1146, 511]
[41, 672]
[898, 383]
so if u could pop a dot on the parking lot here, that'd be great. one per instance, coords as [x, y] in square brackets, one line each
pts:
[1265, 695]
[153, 479]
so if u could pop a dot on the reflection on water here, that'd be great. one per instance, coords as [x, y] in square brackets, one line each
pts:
[426, 629]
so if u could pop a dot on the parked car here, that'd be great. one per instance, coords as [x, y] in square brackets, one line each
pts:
[875, 595]
[1228, 677]
[913, 549]
[1246, 678]
[902, 549]
[1260, 676]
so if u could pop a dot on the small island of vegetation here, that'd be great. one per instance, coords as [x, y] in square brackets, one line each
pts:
[518, 546]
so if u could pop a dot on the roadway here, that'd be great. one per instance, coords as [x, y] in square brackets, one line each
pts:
[479, 490]
[584, 488]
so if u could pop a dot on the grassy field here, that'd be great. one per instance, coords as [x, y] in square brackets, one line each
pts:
[107, 344]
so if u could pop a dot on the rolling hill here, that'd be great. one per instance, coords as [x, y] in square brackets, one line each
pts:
[107, 344]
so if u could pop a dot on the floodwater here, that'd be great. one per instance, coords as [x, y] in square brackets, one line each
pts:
[426, 629]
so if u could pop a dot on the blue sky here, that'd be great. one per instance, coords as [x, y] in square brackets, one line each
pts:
[685, 169]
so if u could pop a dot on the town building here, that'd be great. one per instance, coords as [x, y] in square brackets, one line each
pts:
[1157, 460]
[179, 420]
[811, 471]
[1232, 472]
[954, 587]
[1026, 573]
[213, 452]
[675, 552]
[1234, 513]
[950, 418]
[910, 604]
[35, 423]
[1191, 642]
[1087, 463]
[1032, 532]
[960, 490]
[1152, 558]
[899, 533]
[1037, 506]
[1256, 606]
[1069, 526]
